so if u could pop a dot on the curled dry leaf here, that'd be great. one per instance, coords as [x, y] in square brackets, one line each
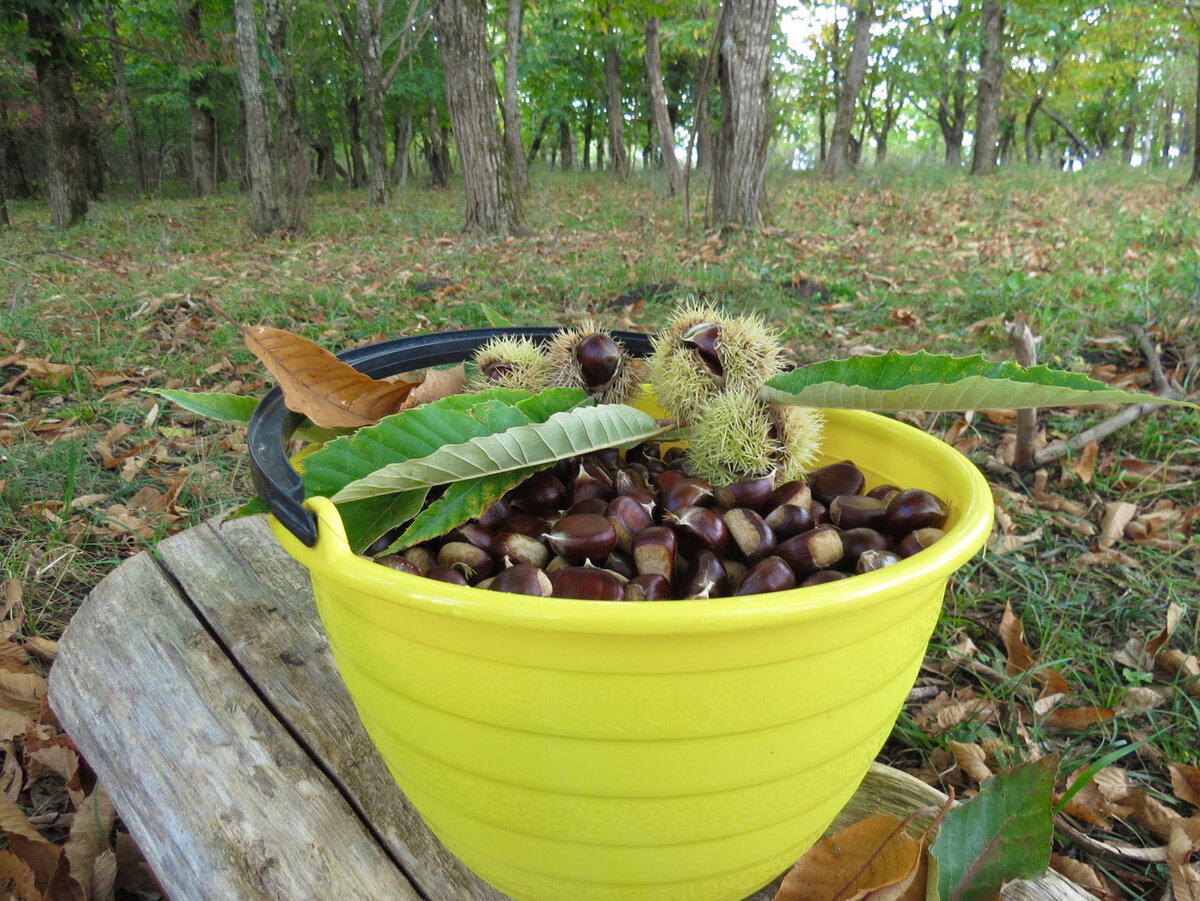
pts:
[1019, 658]
[1082, 875]
[1184, 840]
[438, 383]
[871, 860]
[1185, 781]
[972, 759]
[316, 383]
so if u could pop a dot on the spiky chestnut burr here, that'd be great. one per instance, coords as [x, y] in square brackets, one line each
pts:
[733, 438]
[736, 436]
[511, 363]
[799, 435]
[704, 351]
[589, 357]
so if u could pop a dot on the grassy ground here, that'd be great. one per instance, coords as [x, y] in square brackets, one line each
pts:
[92, 469]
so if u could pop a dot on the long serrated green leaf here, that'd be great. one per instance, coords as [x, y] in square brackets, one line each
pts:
[565, 434]
[460, 502]
[225, 407]
[366, 520]
[1001, 834]
[933, 382]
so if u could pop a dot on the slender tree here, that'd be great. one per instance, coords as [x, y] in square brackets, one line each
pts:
[493, 203]
[743, 72]
[658, 104]
[260, 153]
[612, 94]
[202, 119]
[512, 98]
[840, 158]
[65, 132]
[991, 76]
[137, 156]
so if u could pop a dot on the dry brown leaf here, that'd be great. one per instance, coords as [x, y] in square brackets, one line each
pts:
[1018, 659]
[104, 877]
[51, 868]
[1085, 466]
[1111, 557]
[1076, 718]
[1185, 881]
[1175, 614]
[871, 860]
[22, 692]
[1144, 697]
[1081, 874]
[972, 759]
[316, 383]
[90, 831]
[1117, 515]
[19, 877]
[1185, 782]
[44, 649]
[13, 723]
[13, 821]
[438, 383]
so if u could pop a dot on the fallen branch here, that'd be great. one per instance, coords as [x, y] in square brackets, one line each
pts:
[1120, 420]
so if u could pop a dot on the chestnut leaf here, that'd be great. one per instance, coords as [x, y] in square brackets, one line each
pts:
[566, 434]
[937, 382]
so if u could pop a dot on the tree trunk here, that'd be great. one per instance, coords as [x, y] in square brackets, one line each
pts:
[743, 70]
[260, 154]
[200, 114]
[64, 129]
[1030, 114]
[402, 135]
[435, 154]
[493, 203]
[619, 159]
[371, 57]
[566, 143]
[658, 103]
[137, 156]
[991, 76]
[587, 136]
[838, 159]
[703, 127]
[1194, 178]
[354, 123]
[293, 151]
[512, 98]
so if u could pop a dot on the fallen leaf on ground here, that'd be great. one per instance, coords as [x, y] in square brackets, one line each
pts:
[1117, 515]
[871, 860]
[1185, 781]
[1185, 881]
[972, 759]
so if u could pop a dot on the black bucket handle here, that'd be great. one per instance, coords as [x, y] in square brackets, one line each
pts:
[272, 424]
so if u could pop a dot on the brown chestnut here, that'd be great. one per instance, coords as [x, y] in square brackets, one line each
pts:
[853, 511]
[836, 478]
[750, 534]
[812, 550]
[918, 540]
[914, 509]
[541, 493]
[450, 574]
[587, 583]
[769, 574]
[582, 536]
[475, 562]
[599, 358]
[752, 493]
[704, 577]
[795, 492]
[628, 517]
[517, 547]
[654, 551]
[686, 492]
[869, 561]
[698, 527]
[650, 587]
[524, 578]
[787, 520]
[399, 563]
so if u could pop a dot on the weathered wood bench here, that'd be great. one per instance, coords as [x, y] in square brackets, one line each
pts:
[197, 682]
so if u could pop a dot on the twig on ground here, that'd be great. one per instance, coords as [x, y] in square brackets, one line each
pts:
[1114, 849]
[1120, 420]
[1025, 350]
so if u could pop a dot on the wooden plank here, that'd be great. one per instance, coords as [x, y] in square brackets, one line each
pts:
[220, 798]
[259, 602]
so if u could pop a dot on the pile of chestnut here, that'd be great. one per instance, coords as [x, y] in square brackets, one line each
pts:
[638, 527]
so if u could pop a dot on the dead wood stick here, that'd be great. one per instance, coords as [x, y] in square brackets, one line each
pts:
[1119, 420]
[1025, 350]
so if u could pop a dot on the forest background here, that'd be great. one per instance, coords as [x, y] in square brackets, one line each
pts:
[902, 175]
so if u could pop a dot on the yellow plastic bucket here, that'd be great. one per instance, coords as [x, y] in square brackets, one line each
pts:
[568, 749]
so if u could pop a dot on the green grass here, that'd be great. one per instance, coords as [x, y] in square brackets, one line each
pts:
[904, 259]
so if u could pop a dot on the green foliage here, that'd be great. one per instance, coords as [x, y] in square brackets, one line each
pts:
[922, 381]
[1001, 834]
[225, 407]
